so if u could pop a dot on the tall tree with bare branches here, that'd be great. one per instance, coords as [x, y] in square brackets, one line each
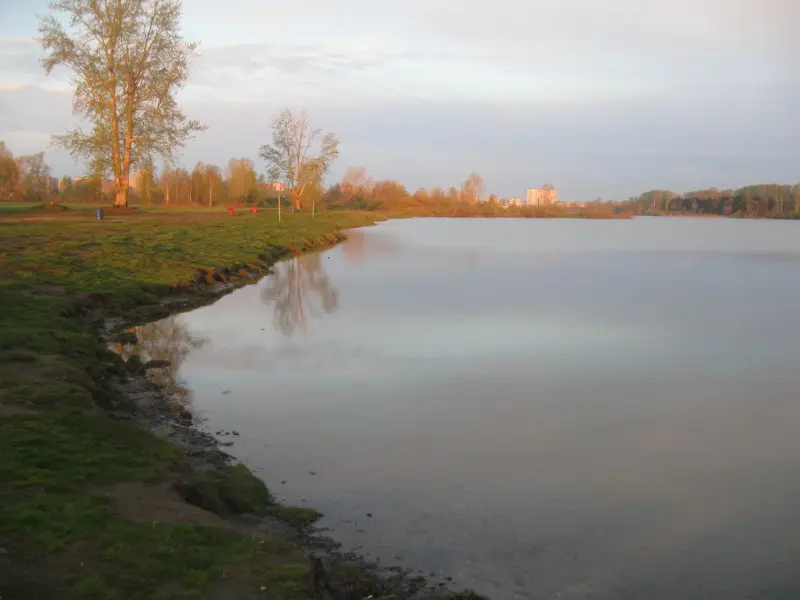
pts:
[355, 181]
[472, 189]
[300, 154]
[129, 60]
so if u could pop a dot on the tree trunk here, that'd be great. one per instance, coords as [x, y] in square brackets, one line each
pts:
[121, 198]
[127, 156]
[279, 208]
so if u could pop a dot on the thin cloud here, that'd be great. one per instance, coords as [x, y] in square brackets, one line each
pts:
[255, 59]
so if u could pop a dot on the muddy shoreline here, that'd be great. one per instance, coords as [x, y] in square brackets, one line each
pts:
[338, 575]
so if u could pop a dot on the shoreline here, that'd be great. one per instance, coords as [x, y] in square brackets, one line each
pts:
[155, 412]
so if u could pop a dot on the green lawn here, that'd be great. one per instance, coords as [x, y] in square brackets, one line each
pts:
[61, 535]
[15, 208]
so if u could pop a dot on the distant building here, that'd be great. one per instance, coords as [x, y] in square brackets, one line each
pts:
[277, 186]
[545, 196]
[514, 202]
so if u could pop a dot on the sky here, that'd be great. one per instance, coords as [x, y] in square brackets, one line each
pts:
[600, 99]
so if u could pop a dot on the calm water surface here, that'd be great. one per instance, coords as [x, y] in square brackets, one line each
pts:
[539, 409]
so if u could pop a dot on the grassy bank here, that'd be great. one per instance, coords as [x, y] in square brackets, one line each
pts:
[92, 504]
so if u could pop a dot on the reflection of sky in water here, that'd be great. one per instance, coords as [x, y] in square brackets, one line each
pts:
[590, 409]
[441, 345]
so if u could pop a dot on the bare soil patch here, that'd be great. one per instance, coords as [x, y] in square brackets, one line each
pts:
[146, 503]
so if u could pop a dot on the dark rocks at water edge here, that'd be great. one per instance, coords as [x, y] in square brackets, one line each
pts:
[156, 364]
[126, 338]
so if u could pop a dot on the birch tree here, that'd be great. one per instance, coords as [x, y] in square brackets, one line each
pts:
[148, 183]
[300, 155]
[241, 177]
[129, 61]
[213, 180]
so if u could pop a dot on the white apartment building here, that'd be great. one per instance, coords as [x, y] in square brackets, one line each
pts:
[545, 196]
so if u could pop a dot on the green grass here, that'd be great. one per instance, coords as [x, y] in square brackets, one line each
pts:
[232, 491]
[60, 536]
[12, 208]
[297, 516]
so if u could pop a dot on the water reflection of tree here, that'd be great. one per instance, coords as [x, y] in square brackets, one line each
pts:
[298, 288]
[165, 346]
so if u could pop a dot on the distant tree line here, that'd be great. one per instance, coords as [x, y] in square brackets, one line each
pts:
[358, 191]
[27, 178]
[764, 201]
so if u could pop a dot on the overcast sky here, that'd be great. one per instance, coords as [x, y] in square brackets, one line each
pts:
[600, 98]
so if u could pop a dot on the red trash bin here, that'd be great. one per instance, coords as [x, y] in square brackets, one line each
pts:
[230, 211]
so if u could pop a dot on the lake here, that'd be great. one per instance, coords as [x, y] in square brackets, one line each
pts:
[537, 408]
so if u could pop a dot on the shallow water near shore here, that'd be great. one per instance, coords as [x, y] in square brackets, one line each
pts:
[537, 408]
